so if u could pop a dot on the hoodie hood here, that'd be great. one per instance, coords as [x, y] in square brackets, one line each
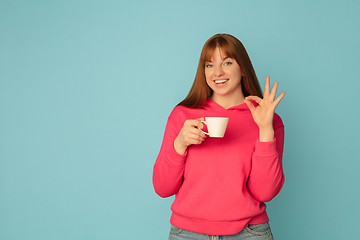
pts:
[213, 106]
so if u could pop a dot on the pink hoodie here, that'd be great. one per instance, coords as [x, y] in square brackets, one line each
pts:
[220, 185]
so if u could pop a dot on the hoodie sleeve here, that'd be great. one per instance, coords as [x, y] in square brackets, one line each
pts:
[169, 166]
[267, 178]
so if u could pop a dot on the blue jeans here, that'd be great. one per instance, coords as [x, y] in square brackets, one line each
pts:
[251, 232]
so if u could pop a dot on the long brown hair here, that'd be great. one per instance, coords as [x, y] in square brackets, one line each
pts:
[233, 48]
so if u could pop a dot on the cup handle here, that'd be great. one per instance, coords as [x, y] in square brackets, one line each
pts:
[202, 130]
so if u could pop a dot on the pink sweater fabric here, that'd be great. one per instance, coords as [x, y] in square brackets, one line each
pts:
[221, 185]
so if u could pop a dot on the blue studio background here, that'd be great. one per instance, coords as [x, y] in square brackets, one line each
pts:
[86, 88]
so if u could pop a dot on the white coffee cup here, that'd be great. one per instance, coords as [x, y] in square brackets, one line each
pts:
[216, 126]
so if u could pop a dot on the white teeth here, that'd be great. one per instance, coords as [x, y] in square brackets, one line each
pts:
[221, 81]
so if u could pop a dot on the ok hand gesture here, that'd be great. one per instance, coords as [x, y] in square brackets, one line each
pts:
[263, 113]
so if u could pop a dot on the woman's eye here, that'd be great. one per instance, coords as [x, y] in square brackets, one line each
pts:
[228, 63]
[208, 65]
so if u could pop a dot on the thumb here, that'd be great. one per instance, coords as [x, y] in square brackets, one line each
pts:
[201, 125]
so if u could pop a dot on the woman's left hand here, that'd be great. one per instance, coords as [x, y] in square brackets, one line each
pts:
[263, 113]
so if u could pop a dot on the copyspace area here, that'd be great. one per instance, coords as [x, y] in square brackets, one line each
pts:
[86, 88]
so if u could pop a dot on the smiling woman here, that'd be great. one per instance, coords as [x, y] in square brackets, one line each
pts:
[228, 47]
[222, 183]
[223, 76]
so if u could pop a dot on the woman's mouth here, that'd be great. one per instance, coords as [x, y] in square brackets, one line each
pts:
[221, 81]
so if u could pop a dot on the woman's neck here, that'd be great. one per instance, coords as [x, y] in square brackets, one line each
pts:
[228, 101]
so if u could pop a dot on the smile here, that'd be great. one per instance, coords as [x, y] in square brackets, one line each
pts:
[221, 81]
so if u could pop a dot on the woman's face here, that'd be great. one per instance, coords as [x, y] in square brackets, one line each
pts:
[223, 75]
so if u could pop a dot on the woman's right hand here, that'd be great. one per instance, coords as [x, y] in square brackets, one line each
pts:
[189, 134]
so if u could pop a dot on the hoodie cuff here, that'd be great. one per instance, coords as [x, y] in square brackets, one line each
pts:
[176, 158]
[265, 149]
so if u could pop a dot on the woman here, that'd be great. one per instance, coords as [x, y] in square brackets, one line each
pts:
[221, 184]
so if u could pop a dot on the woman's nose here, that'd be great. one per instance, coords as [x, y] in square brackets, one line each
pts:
[219, 71]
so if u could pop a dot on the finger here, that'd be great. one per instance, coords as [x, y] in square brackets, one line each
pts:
[196, 142]
[267, 87]
[193, 123]
[254, 98]
[197, 132]
[197, 123]
[193, 129]
[278, 99]
[195, 139]
[201, 125]
[273, 91]
[200, 132]
[250, 105]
